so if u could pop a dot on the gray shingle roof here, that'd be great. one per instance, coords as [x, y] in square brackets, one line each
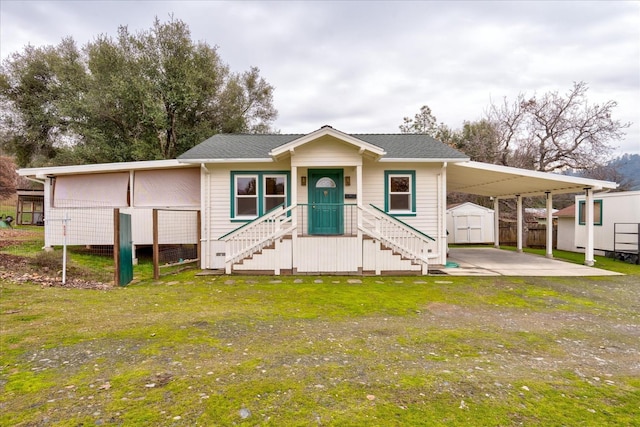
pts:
[412, 146]
[258, 146]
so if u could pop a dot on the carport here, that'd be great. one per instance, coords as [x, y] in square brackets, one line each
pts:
[504, 182]
[495, 262]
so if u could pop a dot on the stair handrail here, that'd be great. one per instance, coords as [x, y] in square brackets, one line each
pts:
[410, 245]
[402, 223]
[251, 237]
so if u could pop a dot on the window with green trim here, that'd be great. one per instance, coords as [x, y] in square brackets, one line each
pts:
[400, 192]
[246, 196]
[597, 212]
[275, 191]
[256, 193]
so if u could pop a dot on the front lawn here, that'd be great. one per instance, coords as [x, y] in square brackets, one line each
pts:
[220, 350]
[319, 350]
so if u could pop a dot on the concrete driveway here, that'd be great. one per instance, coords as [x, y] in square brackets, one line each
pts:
[497, 262]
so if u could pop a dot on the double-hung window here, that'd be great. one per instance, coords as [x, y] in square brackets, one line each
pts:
[246, 196]
[275, 191]
[400, 192]
[256, 193]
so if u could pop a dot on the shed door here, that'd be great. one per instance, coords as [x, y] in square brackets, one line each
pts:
[474, 225]
[468, 228]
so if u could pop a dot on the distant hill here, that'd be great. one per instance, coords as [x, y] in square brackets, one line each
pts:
[625, 170]
[628, 167]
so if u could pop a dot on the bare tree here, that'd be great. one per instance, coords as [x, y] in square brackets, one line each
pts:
[8, 177]
[554, 131]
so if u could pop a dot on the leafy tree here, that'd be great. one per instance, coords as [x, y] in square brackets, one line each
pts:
[424, 122]
[33, 85]
[478, 140]
[149, 95]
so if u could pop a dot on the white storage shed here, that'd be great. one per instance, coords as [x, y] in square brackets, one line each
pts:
[470, 223]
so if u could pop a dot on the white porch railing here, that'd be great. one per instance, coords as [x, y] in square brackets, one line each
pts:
[257, 234]
[264, 231]
[400, 237]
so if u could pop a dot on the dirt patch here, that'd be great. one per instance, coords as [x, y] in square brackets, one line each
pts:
[21, 269]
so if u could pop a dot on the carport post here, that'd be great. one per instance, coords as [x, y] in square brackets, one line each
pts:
[520, 220]
[588, 220]
[496, 223]
[549, 225]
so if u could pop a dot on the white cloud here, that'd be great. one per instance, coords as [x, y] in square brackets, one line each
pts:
[363, 66]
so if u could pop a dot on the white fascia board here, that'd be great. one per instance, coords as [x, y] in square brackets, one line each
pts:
[99, 168]
[469, 205]
[199, 161]
[629, 194]
[327, 131]
[586, 182]
[425, 160]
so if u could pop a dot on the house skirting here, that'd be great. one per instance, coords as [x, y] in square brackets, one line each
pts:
[344, 255]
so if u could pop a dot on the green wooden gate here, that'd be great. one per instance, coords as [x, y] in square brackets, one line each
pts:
[125, 251]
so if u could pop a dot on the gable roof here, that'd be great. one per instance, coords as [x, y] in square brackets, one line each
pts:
[328, 131]
[262, 147]
[467, 206]
[569, 211]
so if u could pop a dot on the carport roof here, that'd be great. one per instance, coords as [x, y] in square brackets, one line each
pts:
[498, 181]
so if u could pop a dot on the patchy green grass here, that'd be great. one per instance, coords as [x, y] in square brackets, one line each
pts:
[339, 351]
[219, 350]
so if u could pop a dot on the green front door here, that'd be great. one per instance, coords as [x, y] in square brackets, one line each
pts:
[325, 201]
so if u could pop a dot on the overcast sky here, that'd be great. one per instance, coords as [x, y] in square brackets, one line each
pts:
[363, 66]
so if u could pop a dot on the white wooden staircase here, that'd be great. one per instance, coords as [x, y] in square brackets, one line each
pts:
[262, 236]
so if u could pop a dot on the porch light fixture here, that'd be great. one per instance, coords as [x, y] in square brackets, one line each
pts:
[303, 180]
[347, 181]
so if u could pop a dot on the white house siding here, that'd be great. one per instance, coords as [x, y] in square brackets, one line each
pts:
[374, 259]
[427, 205]
[567, 234]
[278, 257]
[326, 152]
[327, 255]
[220, 194]
[621, 207]
[337, 254]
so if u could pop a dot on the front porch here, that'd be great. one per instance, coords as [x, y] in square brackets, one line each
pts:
[363, 241]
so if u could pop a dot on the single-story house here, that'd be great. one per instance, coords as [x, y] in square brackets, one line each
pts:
[616, 223]
[323, 202]
[469, 223]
